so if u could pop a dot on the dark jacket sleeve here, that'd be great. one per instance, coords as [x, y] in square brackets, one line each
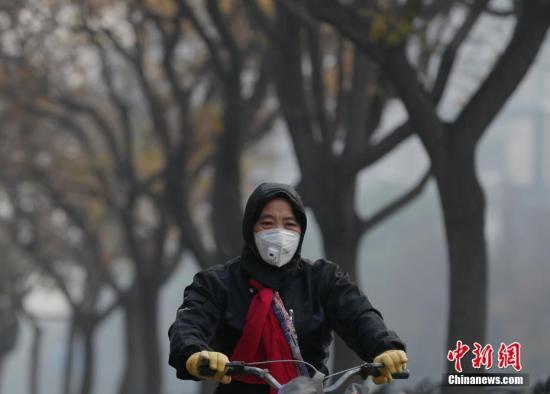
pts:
[196, 321]
[352, 316]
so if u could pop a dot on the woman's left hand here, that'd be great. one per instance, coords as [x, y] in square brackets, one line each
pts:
[394, 361]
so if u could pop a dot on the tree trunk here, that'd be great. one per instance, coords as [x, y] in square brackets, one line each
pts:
[35, 359]
[142, 371]
[88, 373]
[339, 229]
[226, 193]
[463, 204]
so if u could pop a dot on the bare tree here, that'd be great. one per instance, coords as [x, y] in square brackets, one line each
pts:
[59, 239]
[450, 145]
[332, 114]
[17, 280]
[147, 124]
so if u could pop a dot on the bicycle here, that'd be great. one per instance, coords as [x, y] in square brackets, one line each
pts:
[301, 384]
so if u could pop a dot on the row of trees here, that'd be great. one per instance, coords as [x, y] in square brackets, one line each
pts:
[451, 144]
[124, 126]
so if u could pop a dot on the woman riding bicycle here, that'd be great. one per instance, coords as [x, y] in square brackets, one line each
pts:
[270, 304]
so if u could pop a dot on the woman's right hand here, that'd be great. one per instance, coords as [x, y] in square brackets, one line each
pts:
[216, 361]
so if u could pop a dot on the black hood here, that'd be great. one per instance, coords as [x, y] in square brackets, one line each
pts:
[252, 262]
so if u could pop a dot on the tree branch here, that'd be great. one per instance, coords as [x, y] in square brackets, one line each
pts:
[67, 123]
[449, 55]
[225, 34]
[508, 71]
[257, 17]
[358, 103]
[346, 20]
[256, 99]
[422, 114]
[493, 11]
[106, 131]
[119, 104]
[294, 8]
[373, 153]
[396, 205]
[208, 41]
[394, 63]
[289, 82]
[318, 87]
[264, 126]
[32, 252]
[136, 61]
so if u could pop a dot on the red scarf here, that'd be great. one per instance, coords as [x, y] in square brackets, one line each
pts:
[263, 339]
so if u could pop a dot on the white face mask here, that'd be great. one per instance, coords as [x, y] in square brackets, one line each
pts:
[277, 246]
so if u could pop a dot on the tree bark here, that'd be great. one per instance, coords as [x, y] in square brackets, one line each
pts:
[88, 331]
[335, 211]
[142, 371]
[463, 205]
[226, 194]
[339, 230]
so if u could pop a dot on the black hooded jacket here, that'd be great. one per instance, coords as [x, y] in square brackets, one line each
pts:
[321, 297]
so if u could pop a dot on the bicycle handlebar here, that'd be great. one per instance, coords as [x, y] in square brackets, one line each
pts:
[240, 368]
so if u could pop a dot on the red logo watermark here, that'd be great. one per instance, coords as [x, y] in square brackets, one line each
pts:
[508, 355]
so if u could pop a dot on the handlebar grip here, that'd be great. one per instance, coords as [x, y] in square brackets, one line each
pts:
[204, 367]
[398, 375]
[233, 368]
[401, 375]
[376, 372]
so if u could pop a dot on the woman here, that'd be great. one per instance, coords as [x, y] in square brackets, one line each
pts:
[270, 303]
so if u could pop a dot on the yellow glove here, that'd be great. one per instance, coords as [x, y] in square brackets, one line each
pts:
[216, 362]
[394, 361]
